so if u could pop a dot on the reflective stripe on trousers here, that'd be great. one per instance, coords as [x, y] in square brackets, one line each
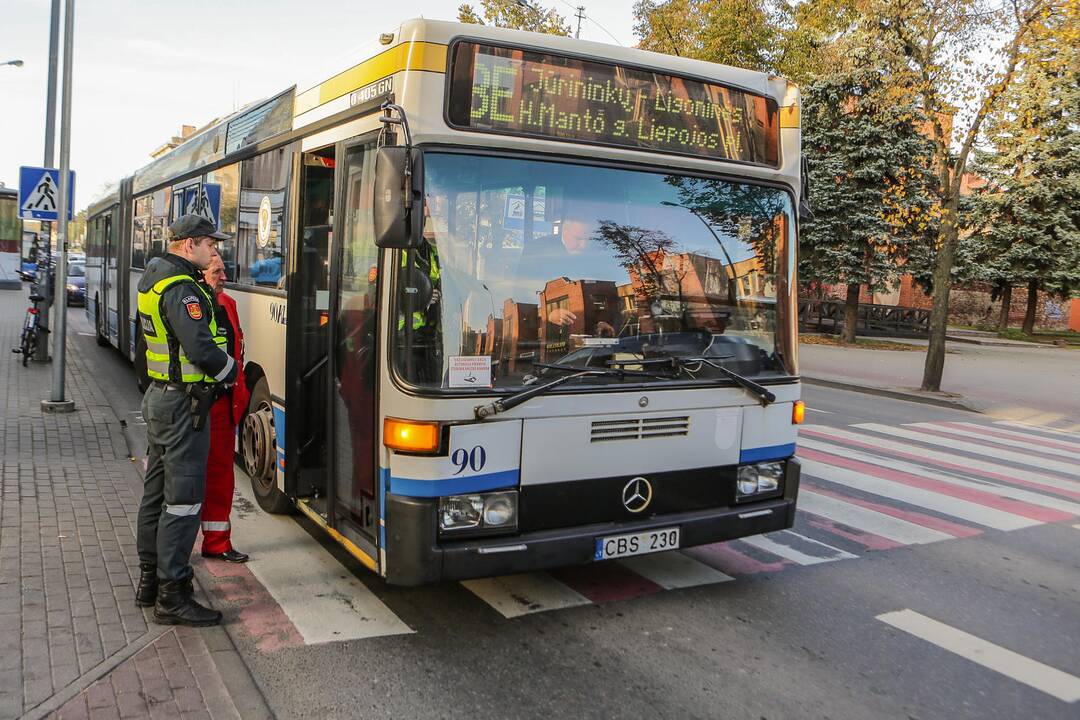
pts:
[216, 526]
[184, 510]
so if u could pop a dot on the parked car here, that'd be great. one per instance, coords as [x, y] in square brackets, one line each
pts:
[76, 284]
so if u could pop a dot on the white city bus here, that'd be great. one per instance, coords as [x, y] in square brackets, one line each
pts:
[512, 301]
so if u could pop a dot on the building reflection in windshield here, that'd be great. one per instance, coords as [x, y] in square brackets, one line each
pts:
[544, 263]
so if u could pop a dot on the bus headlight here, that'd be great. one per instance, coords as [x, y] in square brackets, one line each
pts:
[495, 511]
[459, 512]
[500, 509]
[760, 479]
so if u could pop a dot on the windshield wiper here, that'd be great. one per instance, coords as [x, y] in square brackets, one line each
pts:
[574, 372]
[762, 393]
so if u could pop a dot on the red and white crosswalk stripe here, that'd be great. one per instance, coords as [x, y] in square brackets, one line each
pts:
[908, 489]
[992, 440]
[1054, 465]
[1022, 440]
[1001, 489]
[951, 461]
[1072, 434]
[897, 530]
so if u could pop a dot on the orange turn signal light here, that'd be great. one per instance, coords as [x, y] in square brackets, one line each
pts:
[798, 412]
[411, 436]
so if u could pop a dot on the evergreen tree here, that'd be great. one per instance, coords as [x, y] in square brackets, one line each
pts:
[869, 185]
[1031, 206]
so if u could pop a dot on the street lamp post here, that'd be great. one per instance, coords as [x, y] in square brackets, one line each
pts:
[57, 401]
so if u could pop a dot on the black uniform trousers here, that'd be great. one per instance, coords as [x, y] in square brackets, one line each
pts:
[175, 482]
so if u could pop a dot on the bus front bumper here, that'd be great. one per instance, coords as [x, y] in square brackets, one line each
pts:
[414, 555]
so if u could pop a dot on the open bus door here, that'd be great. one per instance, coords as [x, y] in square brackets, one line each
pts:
[331, 359]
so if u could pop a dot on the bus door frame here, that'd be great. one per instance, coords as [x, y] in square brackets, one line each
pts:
[295, 486]
[336, 259]
[368, 544]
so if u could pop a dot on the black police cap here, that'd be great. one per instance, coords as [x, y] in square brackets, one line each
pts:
[192, 225]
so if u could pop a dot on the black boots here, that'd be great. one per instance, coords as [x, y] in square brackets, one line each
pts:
[231, 555]
[146, 593]
[176, 606]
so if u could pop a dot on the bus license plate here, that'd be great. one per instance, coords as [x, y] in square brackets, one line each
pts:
[640, 543]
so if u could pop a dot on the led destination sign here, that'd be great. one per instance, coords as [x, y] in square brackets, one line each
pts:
[523, 92]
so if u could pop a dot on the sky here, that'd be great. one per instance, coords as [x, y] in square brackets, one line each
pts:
[143, 68]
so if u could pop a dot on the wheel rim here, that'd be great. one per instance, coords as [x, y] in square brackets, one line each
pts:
[259, 444]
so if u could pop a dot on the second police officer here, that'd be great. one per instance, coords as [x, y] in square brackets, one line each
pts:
[188, 365]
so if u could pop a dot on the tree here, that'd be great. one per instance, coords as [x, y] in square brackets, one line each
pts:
[793, 40]
[930, 47]
[516, 15]
[1031, 206]
[869, 184]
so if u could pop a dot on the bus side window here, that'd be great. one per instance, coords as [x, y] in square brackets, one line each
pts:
[140, 233]
[260, 242]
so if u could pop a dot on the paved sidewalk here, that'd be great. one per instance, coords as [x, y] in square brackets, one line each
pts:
[73, 640]
[1039, 385]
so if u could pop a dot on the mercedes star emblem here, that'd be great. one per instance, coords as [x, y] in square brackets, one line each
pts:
[637, 495]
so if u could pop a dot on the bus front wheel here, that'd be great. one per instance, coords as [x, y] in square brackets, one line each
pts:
[259, 451]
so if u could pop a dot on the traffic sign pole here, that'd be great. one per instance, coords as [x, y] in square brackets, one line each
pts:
[41, 352]
[57, 403]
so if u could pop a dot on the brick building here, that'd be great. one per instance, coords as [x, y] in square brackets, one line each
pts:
[593, 303]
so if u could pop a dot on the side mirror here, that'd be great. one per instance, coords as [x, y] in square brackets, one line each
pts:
[398, 206]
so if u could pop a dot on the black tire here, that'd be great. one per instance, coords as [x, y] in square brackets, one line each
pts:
[258, 452]
[102, 340]
[28, 341]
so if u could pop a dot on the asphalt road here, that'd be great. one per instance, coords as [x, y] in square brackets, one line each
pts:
[871, 608]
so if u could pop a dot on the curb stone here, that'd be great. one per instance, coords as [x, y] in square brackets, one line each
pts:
[954, 402]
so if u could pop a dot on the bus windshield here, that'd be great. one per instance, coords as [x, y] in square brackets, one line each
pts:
[529, 263]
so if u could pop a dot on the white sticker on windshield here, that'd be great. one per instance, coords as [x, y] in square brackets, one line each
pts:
[470, 371]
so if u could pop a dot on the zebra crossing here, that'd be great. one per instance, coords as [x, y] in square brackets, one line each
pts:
[865, 488]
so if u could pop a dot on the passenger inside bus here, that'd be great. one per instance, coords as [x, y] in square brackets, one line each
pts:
[423, 293]
[268, 271]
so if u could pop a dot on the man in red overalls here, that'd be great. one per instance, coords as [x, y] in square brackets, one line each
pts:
[225, 413]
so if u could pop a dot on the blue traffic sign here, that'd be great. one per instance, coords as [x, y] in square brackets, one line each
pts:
[202, 199]
[39, 193]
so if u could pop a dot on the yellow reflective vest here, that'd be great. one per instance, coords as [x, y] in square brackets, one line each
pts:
[420, 316]
[165, 359]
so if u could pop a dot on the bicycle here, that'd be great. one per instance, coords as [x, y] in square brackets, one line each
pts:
[32, 329]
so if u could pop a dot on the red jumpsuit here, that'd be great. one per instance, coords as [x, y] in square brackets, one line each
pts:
[224, 416]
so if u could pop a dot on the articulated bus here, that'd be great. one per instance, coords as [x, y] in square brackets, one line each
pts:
[512, 301]
[11, 240]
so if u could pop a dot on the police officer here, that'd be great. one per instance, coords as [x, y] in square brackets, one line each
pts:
[186, 361]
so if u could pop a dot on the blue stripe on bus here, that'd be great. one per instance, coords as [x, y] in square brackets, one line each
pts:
[453, 486]
[761, 454]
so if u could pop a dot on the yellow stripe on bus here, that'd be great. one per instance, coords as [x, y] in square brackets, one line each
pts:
[406, 56]
[356, 552]
[789, 116]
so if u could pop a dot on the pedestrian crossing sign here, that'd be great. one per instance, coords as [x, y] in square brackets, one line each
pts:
[203, 199]
[39, 193]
